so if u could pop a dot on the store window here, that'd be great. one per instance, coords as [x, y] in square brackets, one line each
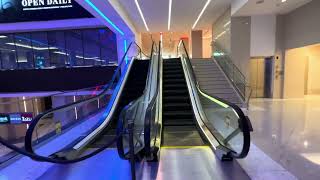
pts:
[74, 47]
[7, 52]
[91, 45]
[57, 49]
[25, 50]
[58, 56]
[41, 49]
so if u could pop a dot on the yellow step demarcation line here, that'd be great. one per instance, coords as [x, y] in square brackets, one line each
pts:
[183, 147]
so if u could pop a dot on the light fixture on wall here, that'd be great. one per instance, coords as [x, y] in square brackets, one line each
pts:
[169, 16]
[202, 11]
[141, 14]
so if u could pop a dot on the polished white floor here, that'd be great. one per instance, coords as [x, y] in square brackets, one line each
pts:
[288, 131]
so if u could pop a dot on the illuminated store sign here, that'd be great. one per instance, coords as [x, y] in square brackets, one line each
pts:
[16, 118]
[4, 118]
[39, 10]
[45, 4]
[26, 118]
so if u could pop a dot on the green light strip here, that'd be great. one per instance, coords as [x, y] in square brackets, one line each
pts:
[214, 100]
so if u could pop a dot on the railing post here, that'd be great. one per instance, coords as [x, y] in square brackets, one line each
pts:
[131, 150]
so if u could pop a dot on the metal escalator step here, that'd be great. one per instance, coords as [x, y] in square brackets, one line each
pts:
[173, 71]
[181, 136]
[176, 106]
[177, 114]
[176, 92]
[179, 122]
[176, 99]
[175, 86]
[174, 81]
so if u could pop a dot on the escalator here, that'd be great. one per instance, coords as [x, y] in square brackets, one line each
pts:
[133, 88]
[81, 129]
[179, 125]
[186, 116]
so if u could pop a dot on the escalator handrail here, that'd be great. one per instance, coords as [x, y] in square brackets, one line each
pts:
[132, 104]
[147, 127]
[244, 122]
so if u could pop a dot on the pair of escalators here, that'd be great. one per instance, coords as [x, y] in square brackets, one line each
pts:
[160, 101]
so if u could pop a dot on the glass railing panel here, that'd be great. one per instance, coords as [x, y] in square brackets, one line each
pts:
[60, 129]
[223, 121]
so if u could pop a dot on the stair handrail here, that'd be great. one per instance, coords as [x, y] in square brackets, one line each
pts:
[226, 64]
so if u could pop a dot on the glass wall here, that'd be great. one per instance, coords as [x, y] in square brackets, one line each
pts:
[58, 49]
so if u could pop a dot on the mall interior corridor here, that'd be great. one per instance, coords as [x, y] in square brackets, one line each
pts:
[159, 90]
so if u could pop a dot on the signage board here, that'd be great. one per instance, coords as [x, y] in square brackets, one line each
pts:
[40, 10]
[26, 118]
[15, 118]
[4, 119]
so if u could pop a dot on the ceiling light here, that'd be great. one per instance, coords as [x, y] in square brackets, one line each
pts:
[227, 24]
[283, 1]
[202, 11]
[169, 17]
[1, 36]
[141, 14]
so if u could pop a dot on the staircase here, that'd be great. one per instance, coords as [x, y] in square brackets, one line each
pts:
[214, 82]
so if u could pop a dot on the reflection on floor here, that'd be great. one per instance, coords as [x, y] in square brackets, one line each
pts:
[289, 132]
[175, 163]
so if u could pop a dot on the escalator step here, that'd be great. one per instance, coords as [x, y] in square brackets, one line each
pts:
[176, 99]
[177, 114]
[177, 106]
[174, 81]
[179, 122]
[174, 86]
[176, 92]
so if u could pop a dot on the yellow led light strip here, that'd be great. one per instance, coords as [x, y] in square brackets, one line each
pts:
[214, 100]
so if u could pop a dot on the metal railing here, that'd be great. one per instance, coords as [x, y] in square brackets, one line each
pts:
[234, 74]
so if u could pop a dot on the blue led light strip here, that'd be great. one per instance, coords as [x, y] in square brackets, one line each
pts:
[125, 49]
[104, 16]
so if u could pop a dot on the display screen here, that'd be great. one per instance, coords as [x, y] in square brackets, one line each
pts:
[40, 10]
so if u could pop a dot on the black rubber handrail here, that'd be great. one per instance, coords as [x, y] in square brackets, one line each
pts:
[28, 151]
[121, 129]
[244, 122]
